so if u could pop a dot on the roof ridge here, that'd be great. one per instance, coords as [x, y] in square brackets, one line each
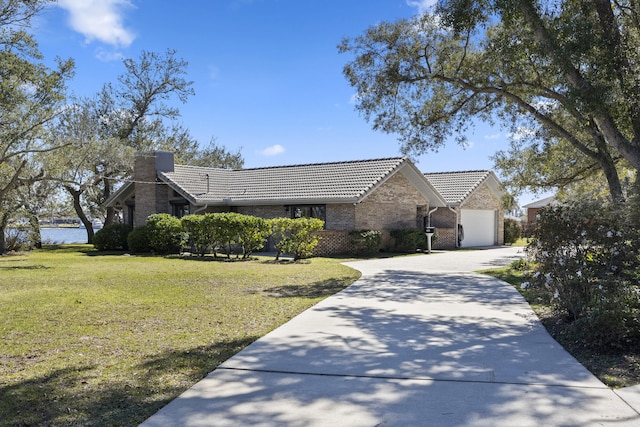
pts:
[341, 162]
[460, 171]
[204, 167]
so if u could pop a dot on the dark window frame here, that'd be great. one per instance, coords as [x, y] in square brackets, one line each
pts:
[309, 211]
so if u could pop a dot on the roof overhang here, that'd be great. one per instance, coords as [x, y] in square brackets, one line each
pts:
[494, 185]
[422, 184]
[120, 195]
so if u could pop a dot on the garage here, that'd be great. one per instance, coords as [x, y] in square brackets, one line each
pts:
[479, 227]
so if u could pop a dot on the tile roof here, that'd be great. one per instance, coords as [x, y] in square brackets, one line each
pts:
[455, 187]
[542, 203]
[346, 182]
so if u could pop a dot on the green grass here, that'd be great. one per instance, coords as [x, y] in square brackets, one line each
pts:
[614, 368]
[108, 339]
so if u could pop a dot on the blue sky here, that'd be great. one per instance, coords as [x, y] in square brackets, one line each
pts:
[267, 73]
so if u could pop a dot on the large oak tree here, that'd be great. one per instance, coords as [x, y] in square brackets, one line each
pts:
[569, 70]
[31, 95]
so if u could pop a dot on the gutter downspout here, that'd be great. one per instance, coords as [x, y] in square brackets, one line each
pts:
[203, 208]
[429, 216]
[455, 226]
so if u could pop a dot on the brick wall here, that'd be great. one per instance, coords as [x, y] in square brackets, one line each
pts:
[446, 238]
[393, 205]
[333, 242]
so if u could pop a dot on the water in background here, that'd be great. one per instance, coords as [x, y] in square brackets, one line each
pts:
[63, 235]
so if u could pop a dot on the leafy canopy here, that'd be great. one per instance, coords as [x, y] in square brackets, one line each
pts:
[566, 71]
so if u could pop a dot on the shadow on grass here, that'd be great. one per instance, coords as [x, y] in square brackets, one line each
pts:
[76, 396]
[25, 267]
[323, 288]
[82, 248]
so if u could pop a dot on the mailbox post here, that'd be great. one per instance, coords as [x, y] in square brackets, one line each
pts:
[429, 231]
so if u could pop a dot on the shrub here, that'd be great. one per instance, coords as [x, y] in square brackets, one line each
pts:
[365, 241]
[512, 231]
[296, 237]
[409, 240]
[228, 232]
[199, 236]
[165, 233]
[112, 237]
[225, 229]
[586, 257]
[138, 240]
[252, 233]
[17, 240]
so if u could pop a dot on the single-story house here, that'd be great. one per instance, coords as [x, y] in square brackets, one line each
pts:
[474, 214]
[379, 194]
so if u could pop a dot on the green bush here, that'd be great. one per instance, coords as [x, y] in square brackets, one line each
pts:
[199, 236]
[252, 233]
[112, 237]
[227, 232]
[512, 231]
[365, 241]
[586, 259]
[409, 240]
[297, 237]
[165, 233]
[138, 240]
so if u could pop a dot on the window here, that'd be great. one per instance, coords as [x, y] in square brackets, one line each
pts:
[309, 211]
[180, 209]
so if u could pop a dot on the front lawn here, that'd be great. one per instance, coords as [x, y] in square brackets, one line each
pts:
[615, 368]
[107, 339]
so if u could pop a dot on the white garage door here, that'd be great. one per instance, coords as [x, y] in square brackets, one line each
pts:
[479, 227]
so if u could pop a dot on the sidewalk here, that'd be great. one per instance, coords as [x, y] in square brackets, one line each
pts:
[418, 341]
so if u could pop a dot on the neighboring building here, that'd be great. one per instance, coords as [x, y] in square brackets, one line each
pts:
[474, 203]
[379, 194]
[533, 208]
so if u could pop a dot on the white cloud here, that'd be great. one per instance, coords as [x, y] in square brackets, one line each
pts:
[99, 20]
[423, 6]
[273, 150]
[493, 136]
[107, 56]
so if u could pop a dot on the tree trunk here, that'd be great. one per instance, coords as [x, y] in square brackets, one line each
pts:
[111, 212]
[4, 220]
[36, 236]
[111, 216]
[77, 206]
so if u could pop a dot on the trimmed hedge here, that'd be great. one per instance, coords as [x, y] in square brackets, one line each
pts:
[112, 237]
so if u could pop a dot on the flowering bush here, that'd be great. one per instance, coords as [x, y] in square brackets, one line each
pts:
[586, 258]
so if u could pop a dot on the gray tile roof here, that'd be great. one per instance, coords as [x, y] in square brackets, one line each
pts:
[337, 182]
[455, 187]
[542, 202]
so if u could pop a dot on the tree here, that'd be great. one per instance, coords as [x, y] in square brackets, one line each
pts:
[31, 95]
[571, 67]
[105, 131]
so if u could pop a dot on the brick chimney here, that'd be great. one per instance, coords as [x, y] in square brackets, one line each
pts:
[151, 194]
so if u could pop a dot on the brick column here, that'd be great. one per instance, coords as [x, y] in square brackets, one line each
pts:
[150, 195]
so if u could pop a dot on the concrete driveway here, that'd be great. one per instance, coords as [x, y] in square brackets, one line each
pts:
[417, 341]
